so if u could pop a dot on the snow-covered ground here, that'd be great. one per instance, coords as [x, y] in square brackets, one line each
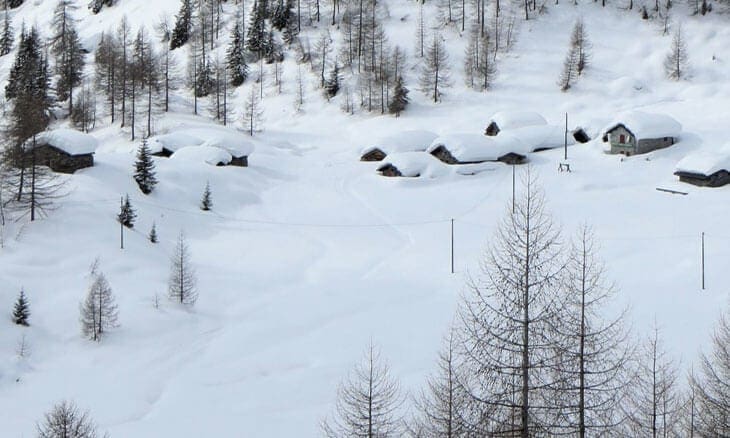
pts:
[309, 254]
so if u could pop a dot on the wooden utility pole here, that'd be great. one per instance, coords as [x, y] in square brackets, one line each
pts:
[121, 224]
[513, 189]
[452, 246]
[703, 260]
[566, 136]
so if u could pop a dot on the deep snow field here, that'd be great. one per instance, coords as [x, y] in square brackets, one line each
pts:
[309, 254]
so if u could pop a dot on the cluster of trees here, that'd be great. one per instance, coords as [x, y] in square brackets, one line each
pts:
[533, 353]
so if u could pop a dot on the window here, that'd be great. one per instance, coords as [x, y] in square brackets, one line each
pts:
[622, 139]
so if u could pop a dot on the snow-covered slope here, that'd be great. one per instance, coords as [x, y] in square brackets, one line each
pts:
[308, 254]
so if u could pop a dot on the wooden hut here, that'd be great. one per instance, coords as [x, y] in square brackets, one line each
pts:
[405, 141]
[706, 168]
[62, 150]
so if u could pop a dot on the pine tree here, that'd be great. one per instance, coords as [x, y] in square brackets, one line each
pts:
[259, 38]
[27, 89]
[204, 79]
[98, 311]
[399, 101]
[182, 282]
[144, 169]
[207, 202]
[21, 311]
[6, 38]
[97, 5]
[183, 25]
[127, 215]
[153, 234]
[235, 57]
[332, 84]
[68, 52]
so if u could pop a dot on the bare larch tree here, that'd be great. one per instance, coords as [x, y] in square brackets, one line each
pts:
[182, 283]
[508, 318]
[368, 402]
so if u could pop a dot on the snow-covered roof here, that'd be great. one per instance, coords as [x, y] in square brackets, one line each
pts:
[469, 147]
[405, 141]
[234, 142]
[517, 119]
[68, 140]
[172, 141]
[532, 138]
[227, 139]
[706, 161]
[412, 164]
[646, 125]
[205, 154]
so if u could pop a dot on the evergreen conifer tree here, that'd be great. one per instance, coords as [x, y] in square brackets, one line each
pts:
[153, 234]
[6, 38]
[21, 311]
[235, 57]
[68, 52]
[144, 169]
[183, 25]
[258, 37]
[400, 97]
[204, 79]
[127, 215]
[332, 84]
[207, 202]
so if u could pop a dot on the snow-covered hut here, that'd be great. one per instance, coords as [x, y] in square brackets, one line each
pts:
[708, 168]
[468, 148]
[63, 150]
[536, 138]
[167, 144]
[227, 140]
[638, 132]
[203, 154]
[512, 120]
[406, 141]
[412, 164]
